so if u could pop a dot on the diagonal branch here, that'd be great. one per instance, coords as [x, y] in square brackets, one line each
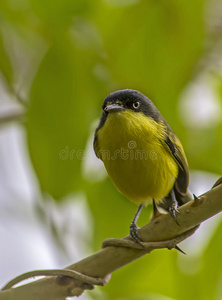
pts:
[158, 233]
[12, 116]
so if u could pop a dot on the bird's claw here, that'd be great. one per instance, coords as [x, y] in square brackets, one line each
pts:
[173, 210]
[134, 233]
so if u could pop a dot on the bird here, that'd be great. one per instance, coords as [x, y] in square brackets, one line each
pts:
[142, 155]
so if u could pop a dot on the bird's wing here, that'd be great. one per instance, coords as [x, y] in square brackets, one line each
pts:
[96, 146]
[175, 147]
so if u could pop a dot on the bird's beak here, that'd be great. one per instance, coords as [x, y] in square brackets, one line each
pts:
[113, 108]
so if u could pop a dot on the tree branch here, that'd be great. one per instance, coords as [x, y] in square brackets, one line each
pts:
[159, 232]
[12, 116]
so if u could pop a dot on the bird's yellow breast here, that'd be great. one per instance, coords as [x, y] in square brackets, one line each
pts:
[132, 148]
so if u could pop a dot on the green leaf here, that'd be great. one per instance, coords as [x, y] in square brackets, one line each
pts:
[153, 47]
[5, 64]
[60, 112]
[59, 13]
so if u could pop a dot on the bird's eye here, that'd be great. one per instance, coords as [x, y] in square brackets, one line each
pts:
[136, 104]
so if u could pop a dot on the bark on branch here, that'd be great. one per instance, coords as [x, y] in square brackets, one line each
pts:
[158, 233]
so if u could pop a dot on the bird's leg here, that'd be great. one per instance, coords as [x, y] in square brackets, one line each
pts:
[173, 206]
[134, 228]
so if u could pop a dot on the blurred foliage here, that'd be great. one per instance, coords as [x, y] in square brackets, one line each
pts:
[60, 114]
[65, 57]
[5, 65]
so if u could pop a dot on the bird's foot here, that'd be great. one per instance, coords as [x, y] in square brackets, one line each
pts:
[173, 207]
[134, 233]
[173, 210]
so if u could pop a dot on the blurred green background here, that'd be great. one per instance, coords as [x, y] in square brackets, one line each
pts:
[58, 61]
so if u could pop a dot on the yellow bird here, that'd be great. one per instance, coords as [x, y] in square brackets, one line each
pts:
[142, 155]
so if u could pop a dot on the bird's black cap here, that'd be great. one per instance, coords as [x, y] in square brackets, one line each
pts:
[134, 100]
